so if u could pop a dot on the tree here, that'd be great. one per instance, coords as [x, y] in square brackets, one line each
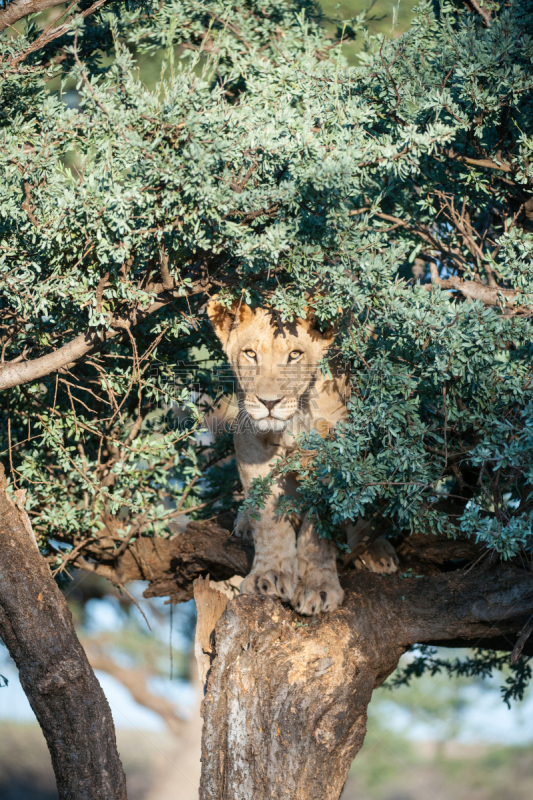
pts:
[261, 166]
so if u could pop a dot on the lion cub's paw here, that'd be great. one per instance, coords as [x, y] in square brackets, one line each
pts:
[324, 593]
[275, 582]
[379, 557]
[243, 528]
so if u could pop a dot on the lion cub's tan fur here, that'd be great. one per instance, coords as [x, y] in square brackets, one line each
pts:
[281, 393]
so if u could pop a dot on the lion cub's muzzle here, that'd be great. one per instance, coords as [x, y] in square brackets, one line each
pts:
[270, 414]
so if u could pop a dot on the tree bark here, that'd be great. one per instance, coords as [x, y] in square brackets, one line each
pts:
[286, 698]
[18, 9]
[172, 565]
[207, 547]
[37, 629]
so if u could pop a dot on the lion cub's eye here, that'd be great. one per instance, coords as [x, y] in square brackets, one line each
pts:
[250, 354]
[295, 355]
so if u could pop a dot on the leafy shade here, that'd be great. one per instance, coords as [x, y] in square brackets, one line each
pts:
[262, 166]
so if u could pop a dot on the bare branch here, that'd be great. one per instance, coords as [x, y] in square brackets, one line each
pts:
[488, 163]
[474, 290]
[26, 205]
[85, 78]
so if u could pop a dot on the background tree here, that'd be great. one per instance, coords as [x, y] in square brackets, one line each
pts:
[262, 167]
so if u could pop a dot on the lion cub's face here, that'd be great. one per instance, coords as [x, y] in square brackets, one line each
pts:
[275, 363]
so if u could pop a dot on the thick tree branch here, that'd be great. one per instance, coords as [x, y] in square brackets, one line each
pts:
[36, 627]
[457, 605]
[469, 606]
[286, 699]
[489, 296]
[172, 565]
[205, 548]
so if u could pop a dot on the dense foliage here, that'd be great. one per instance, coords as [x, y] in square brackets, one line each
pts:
[262, 166]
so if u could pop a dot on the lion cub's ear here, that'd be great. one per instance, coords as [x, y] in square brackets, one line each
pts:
[311, 325]
[224, 319]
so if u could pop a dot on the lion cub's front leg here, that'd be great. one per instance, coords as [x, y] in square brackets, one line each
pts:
[274, 571]
[318, 588]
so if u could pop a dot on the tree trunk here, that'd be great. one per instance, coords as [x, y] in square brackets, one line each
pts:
[286, 697]
[36, 627]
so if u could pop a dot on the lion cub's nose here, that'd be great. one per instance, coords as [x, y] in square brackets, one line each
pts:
[268, 403]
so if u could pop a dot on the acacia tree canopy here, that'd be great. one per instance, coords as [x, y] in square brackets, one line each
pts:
[261, 166]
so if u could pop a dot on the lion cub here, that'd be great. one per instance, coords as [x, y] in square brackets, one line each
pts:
[281, 393]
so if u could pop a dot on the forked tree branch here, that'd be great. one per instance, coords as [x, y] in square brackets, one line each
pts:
[286, 696]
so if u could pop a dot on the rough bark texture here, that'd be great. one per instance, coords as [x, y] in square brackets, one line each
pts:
[172, 565]
[207, 547]
[36, 627]
[210, 605]
[286, 697]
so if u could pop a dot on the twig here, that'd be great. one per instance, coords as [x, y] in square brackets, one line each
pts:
[174, 514]
[71, 556]
[73, 464]
[483, 13]
[49, 36]
[136, 527]
[85, 78]
[133, 600]
[26, 205]
[523, 636]
[73, 409]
